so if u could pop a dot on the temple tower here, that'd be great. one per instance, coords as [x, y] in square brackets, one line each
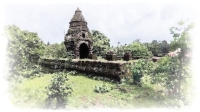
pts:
[78, 41]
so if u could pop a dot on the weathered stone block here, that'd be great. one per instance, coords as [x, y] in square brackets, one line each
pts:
[111, 57]
[127, 56]
[92, 56]
[119, 57]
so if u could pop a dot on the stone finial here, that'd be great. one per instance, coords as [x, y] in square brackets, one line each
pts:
[78, 10]
[78, 16]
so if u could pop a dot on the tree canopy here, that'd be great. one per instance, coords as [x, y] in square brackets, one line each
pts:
[23, 48]
[101, 43]
[138, 49]
[55, 51]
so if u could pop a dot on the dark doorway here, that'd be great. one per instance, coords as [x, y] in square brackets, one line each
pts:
[84, 51]
[83, 35]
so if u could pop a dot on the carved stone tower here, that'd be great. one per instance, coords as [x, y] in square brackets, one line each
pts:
[78, 41]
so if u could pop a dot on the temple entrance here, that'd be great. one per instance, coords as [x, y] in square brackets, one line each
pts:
[84, 51]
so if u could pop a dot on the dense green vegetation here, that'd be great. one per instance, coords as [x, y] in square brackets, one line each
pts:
[162, 84]
[24, 48]
[55, 51]
[138, 49]
[101, 43]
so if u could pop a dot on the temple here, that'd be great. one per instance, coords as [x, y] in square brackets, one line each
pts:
[78, 41]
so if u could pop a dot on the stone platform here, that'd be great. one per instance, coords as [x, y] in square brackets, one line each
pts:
[104, 67]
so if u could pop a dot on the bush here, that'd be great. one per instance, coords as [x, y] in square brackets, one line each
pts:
[58, 91]
[169, 74]
[34, 72]
[102, 88]
[141, 68]
[24, 48]
[138, 49]
[55, 51]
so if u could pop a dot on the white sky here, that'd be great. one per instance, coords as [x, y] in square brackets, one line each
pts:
[121, 22]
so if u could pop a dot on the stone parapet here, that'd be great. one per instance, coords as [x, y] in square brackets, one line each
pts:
[111, 68]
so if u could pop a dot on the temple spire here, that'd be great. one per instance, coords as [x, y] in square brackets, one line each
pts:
[78, 16]
[78, 40]
[78, 10]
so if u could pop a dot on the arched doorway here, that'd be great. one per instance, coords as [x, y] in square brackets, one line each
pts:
[84, 51]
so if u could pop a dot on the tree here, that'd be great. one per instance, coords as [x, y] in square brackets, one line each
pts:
[101, 43]
[48, 43]
[156, 48]
[24, 48]
[182, 37]
[164, 47]
[182, 40]
[173, 72]
[138, 49]
[55, 51]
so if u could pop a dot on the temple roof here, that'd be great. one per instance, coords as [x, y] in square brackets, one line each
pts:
[78, 16]
[78, 10]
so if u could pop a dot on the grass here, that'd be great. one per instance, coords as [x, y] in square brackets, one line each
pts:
[30, 94]
[83, 92]
[122, 96]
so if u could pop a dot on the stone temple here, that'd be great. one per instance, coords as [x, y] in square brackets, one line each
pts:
[78, 41]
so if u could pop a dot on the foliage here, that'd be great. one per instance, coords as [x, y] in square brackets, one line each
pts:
[158, 48]
[101, 43]
[138, 49]
[121, 96]
[173, 72]
[55, 51]
[58, 91]
[35, 71]
[182, 37]
[120, 49]
[24, 48]
[165, 73]
[102, 88]
[29, 92]
[142, 67]
[164, 47]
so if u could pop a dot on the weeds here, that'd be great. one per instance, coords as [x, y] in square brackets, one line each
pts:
[58, 91]
[102, 88]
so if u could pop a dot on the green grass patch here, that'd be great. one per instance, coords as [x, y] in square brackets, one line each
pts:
[31, 93]
[122, 95]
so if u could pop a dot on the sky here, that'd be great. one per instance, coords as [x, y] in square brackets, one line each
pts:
[121, 22]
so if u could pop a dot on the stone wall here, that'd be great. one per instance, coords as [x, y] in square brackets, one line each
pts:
[111, 68]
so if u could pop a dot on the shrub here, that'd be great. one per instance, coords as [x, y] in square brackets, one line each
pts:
[102, 88]
[137, 49]
[34, 72]
[55, 51]
[24, 48]
[169, 74]
[141, 68]
[58, 91]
